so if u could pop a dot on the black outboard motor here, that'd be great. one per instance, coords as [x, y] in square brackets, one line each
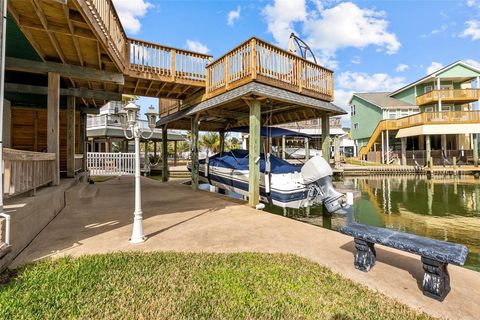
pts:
[317, 174]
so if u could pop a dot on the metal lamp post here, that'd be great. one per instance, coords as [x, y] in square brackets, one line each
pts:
[129, 121]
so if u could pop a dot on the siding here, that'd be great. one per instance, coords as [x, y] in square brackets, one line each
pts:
[29, 132]
[367, 116]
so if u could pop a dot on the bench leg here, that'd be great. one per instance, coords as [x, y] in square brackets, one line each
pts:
[436, 280]
[365, 255]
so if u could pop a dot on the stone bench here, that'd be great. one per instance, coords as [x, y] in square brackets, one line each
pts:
[435, 254]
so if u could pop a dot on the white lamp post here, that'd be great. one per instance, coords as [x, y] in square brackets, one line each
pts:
[128, 120]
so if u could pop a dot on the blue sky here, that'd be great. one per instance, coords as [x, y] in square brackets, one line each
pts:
[371, 45]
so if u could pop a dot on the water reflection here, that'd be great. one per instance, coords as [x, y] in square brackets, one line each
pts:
[444, 209]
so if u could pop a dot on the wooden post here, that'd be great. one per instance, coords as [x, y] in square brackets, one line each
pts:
[83, 139]
[155, 149]
[7, 124]
[444, 143]
[404, 151]
[387, 147]
[254, 154]
[164, 154]
[53, 113]
[307, 149]
[383, 148]
[222, 141]
[195, 152]
[336, 146]
[326, 137]
[70, 136]
[283, 147]
[175, 155]
[475, 149]
[427, 148]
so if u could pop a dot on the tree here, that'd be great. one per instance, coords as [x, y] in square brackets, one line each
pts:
[211, 141]
[233, 143]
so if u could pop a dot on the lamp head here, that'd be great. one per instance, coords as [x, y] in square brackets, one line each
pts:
[151, 117]
[123, 119]
[132, 111]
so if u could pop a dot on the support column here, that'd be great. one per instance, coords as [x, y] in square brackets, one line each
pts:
[283, 147]
[175, 155]
[7, 124]
[383, 148]
[326, 137]
[165, 154]
[254, 155]
[307, 149]
[222, 141]
[428, 149]
[107, 145]
[439, 95]
[387, 147]
[70, 136]
[155, 149]
[83, 139]
[336, 149]
[195, 125]
[475, 149]
[444, 143]
[53, 113]
[404, 151]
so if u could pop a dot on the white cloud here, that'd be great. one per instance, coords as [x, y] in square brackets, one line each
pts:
[473, 63]
[434, 67]
[472, 30]
[356, 60]
[233, 16]
[349, 82]
[330, 26]
[402, 67]
[130, 11]
[473, 3]
[281, 17]
[364, 82]
[197, 46]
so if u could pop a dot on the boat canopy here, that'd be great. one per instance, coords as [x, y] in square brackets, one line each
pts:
[238, 160]
[272, 132]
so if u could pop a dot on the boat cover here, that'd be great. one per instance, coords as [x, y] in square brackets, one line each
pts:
[272, 132]
[238, 160]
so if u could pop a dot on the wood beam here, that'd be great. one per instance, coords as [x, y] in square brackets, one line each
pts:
[25, 31]
[76, 92]
[254, 154]
[53, 39]
[74, 38]
[70, 136]
[195, 169]
[164, 154]
[326, 137]
[53, 120]
[59, 29]
[65, 70]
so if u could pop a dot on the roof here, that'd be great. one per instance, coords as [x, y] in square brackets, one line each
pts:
[382, 100]
[434, 74]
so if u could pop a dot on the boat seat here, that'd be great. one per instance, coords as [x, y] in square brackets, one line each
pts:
[435, 254]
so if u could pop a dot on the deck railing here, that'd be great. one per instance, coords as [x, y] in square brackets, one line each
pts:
[257, 60]
[110, 164]
[106, 21]
[26, 170]
[169, 106]
[166, 61]
[449, 95]
[443, 117]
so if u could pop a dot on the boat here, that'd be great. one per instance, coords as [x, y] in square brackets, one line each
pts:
[281, 183]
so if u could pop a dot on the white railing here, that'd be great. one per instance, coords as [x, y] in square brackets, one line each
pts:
[110, 164]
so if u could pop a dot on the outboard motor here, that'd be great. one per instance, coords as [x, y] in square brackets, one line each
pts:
[317, 174]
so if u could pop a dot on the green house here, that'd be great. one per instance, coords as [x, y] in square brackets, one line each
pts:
[434, 117]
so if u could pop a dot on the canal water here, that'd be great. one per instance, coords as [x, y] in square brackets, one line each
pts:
[441, 208]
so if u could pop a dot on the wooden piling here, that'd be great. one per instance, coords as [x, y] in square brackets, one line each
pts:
[164, 154]
[254, 154]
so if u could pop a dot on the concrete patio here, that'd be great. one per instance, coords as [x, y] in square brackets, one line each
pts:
[97, 219]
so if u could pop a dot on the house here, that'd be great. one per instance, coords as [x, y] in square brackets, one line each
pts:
[434, 117]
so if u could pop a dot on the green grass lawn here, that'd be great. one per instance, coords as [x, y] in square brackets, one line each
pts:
[189, 286]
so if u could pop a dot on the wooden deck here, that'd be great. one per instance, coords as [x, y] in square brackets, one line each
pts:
[451, 96]
[424, 118]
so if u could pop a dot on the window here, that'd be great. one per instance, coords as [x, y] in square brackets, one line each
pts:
[353, 110]
[392, 114]
[429, 109]
[427, 89]
[446, 108]
[355, 126]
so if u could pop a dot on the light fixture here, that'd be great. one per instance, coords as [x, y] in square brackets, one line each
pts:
[123, 119]
[151, 117]
[132, 111]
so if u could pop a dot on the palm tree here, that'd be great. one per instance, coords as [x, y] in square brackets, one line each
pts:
[211, 141]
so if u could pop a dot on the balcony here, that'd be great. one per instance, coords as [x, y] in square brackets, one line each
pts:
[257, 60]
[452, 95]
